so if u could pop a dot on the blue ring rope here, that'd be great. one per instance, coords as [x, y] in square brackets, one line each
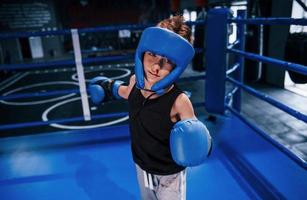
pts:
[61, 63]
[270, 100]
[12, 35]
[270, 21]
[286, 65]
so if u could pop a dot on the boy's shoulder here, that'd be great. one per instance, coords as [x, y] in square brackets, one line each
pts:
[181, 100]
[183, 107]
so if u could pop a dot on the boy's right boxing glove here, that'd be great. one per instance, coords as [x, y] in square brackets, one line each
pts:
[190, 142]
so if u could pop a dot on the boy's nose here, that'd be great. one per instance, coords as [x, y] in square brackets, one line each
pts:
[156, 67]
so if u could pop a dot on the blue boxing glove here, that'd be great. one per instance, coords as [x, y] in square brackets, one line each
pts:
[96, 91]
[102, 89]
[190, 142]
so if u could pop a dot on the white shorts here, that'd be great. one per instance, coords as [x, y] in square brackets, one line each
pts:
[161, 187]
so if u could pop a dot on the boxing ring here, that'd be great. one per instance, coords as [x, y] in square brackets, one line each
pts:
[94, 162]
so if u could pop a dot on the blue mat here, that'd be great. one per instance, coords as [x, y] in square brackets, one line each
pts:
[97, 164]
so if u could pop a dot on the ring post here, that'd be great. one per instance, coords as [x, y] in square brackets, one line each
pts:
[216, 41]
[238, 74]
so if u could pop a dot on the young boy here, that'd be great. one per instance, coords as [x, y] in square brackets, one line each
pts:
[165, 134]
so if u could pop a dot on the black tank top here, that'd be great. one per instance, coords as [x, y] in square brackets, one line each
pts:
[150, 127]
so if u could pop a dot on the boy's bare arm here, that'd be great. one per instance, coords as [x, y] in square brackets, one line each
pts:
[125, 90]
[184, 107]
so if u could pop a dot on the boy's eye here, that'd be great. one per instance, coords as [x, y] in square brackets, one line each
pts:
[151, 54]
[169, 62]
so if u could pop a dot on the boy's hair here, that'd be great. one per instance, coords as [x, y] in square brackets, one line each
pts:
[177, 25]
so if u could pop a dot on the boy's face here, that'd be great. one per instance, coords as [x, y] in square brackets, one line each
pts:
[156, 67]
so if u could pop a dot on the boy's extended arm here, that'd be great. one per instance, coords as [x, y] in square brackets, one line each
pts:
[103, 89]
[124, 90]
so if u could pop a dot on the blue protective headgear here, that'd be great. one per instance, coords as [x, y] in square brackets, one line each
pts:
[166, 43]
